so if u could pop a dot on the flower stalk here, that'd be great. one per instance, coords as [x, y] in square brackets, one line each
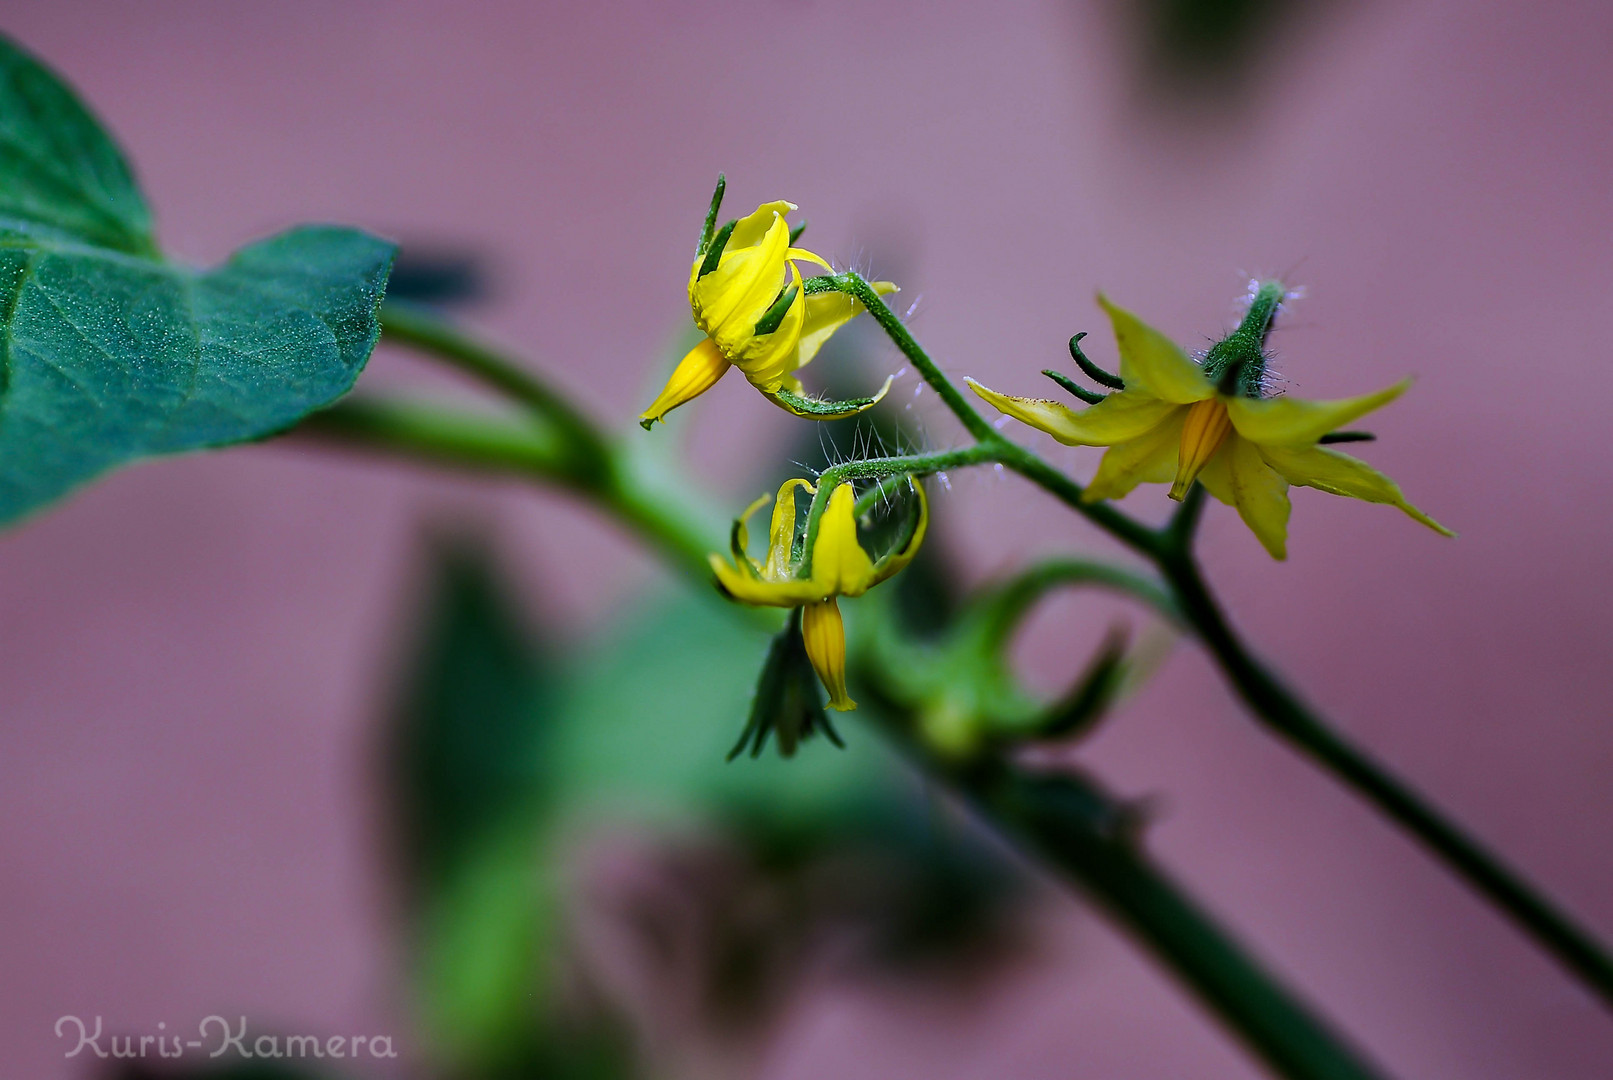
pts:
[559, 448]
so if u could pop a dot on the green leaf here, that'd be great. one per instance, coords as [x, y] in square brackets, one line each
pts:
[108, 352]
[61, 172]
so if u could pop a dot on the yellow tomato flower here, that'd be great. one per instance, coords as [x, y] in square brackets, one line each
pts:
[747, 296]
[837, 566]
[1173, 424]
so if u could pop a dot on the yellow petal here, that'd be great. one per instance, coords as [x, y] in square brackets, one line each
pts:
[1152, 362]
[1124, 415]
[747, 232]
[839, 564]
[727, 302]
[781, 534]
[695, 374]
[750, 229]
[894, 561]
[826, 312]
[1148, 459]
[824, 635]
[1340, 474]
[767, 358]
[1239, 476]
[750, 589]
[1288, 421]
[809, 256]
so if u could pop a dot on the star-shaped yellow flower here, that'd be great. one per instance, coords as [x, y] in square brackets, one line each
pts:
[838, 566]
[1174, 424]
[747, 297]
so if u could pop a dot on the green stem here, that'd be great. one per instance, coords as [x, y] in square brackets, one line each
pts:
[1089, 836]
[1282, 711]
[1132, 533]
[853, 284]
[418, 329]
[879, 468]
[1268, 1017]
[1271, 702]
[500, 447]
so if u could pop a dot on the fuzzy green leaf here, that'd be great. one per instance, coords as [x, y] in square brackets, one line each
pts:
[108, 352]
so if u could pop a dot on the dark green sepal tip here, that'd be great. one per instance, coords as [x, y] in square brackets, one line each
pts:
[647, 423]
[1347, 436]
[788, 704]
[736, 544]
[795, 233]
[774, 316]
[711, 215]
[714, 252]
[1093, 371]
[1091, 397]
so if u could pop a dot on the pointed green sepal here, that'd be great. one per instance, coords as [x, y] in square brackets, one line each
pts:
[788, 704]
[1093, 371]
[715, 249]
[817, 409]
[711, 215]
[774, 316]
[1091, 397]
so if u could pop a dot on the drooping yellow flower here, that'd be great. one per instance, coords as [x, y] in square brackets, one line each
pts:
[836, 566]
[747, 297]
[1173, 423]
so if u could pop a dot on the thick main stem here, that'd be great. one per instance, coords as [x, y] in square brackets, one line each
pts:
[1062, 819]
[1281, 710]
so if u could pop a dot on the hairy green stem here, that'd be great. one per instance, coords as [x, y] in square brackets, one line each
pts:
[1282, 711]
[915, 465]
[852, 284]
[1269, 1018]
[995, 448]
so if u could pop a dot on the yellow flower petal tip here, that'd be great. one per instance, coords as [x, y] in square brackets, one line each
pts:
[824, 635]
[696, 373]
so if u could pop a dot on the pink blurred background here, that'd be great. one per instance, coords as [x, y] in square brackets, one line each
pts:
[194, 647]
